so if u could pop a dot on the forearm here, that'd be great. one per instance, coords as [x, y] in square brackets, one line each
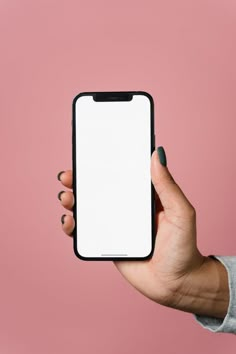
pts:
[205, 291]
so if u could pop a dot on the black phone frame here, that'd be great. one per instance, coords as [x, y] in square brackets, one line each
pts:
[111, 96]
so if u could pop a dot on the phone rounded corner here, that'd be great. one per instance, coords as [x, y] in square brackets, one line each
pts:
[80, 94]
[150, 254]
[148, 95]
[75, 249]
[77, 254]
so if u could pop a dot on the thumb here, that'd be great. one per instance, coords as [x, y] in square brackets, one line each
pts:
[170, 194]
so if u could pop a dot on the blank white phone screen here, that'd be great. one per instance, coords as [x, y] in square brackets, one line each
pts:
[113, 180]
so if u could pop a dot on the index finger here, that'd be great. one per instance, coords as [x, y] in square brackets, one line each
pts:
[65, 177]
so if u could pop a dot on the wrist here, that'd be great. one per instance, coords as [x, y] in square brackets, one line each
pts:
[205, 291]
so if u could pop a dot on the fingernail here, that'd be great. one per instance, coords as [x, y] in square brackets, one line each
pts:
[162, 155]
[62, 218]
[59, 194]
[59, 175]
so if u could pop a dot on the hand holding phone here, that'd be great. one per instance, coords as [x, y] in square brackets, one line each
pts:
[177, 275]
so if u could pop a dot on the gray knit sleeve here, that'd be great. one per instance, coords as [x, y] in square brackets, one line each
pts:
[228, 323]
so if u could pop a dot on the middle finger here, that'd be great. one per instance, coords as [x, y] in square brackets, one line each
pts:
[67, 199]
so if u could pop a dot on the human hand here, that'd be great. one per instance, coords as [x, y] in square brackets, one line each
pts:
[177, 275]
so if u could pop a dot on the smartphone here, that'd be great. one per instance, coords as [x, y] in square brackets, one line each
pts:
[112, 142]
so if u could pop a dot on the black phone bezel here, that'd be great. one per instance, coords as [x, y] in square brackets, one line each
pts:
[110, 94]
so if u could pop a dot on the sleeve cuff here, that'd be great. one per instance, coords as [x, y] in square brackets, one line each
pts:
[228, 323]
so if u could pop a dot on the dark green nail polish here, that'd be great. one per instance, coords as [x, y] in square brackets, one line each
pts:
[59, 175]
[62, 218]
[162, 155]
[59, 194]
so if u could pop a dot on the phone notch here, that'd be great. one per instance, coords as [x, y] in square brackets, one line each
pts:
[112, 96]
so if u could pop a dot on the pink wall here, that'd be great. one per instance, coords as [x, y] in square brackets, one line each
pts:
[182, 52]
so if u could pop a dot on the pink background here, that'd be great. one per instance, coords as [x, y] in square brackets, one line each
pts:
[182, 52]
